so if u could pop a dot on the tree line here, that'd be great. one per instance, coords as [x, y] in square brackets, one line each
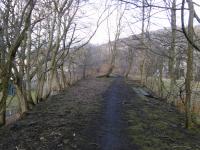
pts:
[173, 50]
[41, 45]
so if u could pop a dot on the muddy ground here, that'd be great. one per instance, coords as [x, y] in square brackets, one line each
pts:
[59, 122]
[101, 114]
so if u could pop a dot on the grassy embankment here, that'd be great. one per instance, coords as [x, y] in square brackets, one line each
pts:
[157, 125]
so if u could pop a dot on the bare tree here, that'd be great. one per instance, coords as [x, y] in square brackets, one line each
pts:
[12, 45]
[113, 44]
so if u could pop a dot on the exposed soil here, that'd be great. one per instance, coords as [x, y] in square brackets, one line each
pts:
[58, 123]
[101, 114]
[113, 127]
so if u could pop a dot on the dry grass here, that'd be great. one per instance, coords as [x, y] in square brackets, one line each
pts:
[156, 125]
[153, 84]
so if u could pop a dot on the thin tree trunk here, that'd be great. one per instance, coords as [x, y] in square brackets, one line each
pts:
[53, 72]
[63, 77]
[142, 70]
[189, 73]
[172, 53]
[130, 62]
[161, 78]
[28, 66]
[143, 65]
[3, 100]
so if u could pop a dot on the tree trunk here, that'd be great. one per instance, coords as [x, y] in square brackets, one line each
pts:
[40, 87]
[58, 81]
[3, 100]
[53, 72]
[130, 62]
[28, 66]
[143, 64]
[189, 73]
[172, 53]
[113, 57]
[142, 70]
[22, 98]
[64, 85]
[161, 78]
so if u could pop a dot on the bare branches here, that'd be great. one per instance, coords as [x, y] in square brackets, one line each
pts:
[147, 5]
[183, 27]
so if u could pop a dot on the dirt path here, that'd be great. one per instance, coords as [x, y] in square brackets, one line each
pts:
[60, 122]
[113, 125]
[101, 114]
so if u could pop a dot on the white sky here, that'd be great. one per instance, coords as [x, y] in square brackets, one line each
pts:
[131, 22]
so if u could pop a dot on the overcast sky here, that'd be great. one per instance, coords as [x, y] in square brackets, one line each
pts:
[131, 21]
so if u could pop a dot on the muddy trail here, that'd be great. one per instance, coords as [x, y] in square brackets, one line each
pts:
[113, 126]
[101, 114]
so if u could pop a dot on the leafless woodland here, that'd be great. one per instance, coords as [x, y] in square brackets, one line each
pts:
[45, 48]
